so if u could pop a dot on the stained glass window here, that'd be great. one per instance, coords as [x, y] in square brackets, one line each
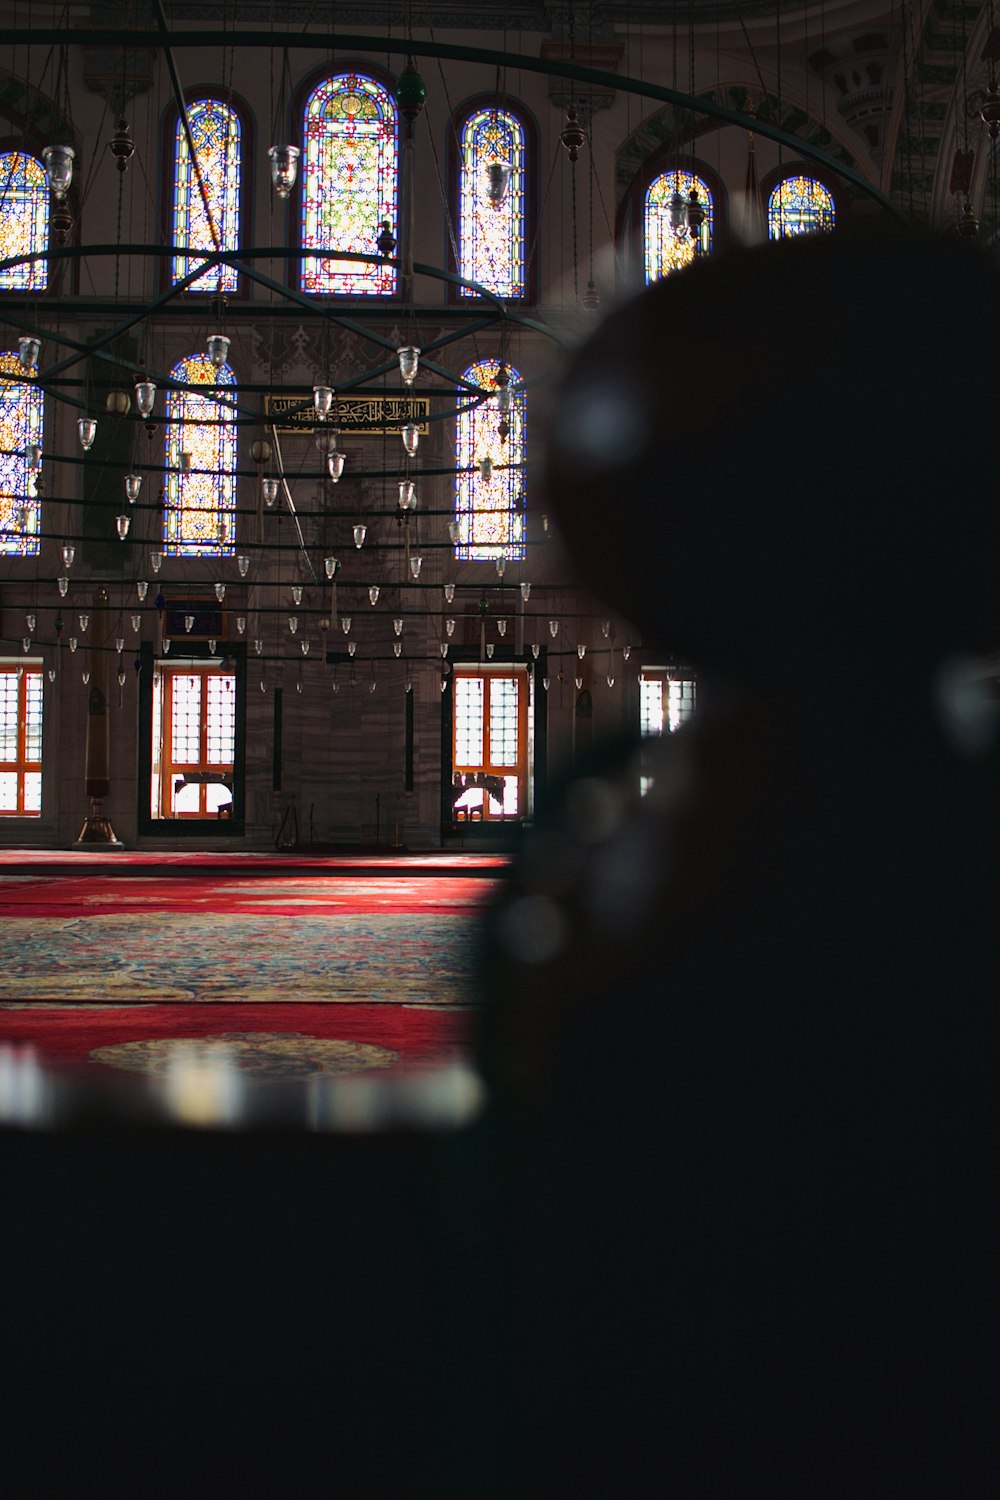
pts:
[489, 497]
[349, 165]
[20, 437]
[215, 129]
[199, 516]
[24, 221]
[799, 205]
[491, 233]
[667, 239]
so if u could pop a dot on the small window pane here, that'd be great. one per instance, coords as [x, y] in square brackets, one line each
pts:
[24, 221]
[800, 205]
[215, 128]
[668, 242]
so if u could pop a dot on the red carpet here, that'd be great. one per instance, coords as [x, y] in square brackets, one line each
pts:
[68, 1036]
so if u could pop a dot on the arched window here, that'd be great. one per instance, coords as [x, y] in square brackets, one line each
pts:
[199, 515]
[668, 242]
[489, 495]
[215, 129]
[800, 205]
[20, 455]
[491, 204]
[349, 172]
[24, 221]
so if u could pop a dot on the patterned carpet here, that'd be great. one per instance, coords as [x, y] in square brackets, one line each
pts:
[128, 936]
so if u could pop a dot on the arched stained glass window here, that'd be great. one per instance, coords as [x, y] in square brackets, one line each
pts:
[215, 129]
[667, 239]
[199, 516]
[349, 171]
[24, 221]
[491, 229]
[20, 433]
[489, 495]
[799, 205]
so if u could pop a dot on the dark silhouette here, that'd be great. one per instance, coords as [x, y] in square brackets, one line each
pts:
[742, 1031]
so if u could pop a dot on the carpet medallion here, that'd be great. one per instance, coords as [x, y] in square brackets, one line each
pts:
[273, 1056]
[409, 959]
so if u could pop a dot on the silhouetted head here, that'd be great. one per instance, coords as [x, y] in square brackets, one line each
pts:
[785, 455]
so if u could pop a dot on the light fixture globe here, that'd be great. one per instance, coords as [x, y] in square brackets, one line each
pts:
[87, 429]
[416, 563]
[117, 403]
[145, 395]
[284, 168]
[409, 362]
[498, 175]
[59, 165]
[323, 400]
[123, 523]
[407, 494]
[269, 488]
[326, 440]
[360, 532]
[410, 434]
[243, 564]
[133, 484]
[28, 350]
[335, 466]
[218, 349]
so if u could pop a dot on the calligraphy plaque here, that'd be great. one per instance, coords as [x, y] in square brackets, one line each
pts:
[358, 415]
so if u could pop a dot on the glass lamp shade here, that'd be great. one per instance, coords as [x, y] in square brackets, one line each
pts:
[326, 440]
[416, 563]
[449, 592]
[136, 623]
[145, 395]
[397, 648]
[260, 450]
[220, 591]
[581, 652]
[407, 494]
[304, 647]
[397, 625]
[28, 350]
[525, 591]
[626, 652]
[243, 563]
[553, 628]
[296, 593]
[26, 642]
[119, 643]
[373, 593]
[293, 623]
[410, 434]
[611, 680]
[85, 676]
[211, 647]
[117, 403]
[449, 626]
[444, 684]
[72, 643]
[455, 530]
[579, 683]
[68, 554]
[409, 685]
[123, 523]
[63, 586]
[142, 589]
[87, 428]
[345, 624]
[189, 623]
[409, 362]
[284, 168]
[323, 400]
[489, 651]
[535, 649]
[133, 484]
[218, 349]
[270, 490]
[59, 165]
[335, 466]
[498, 175]
[352, 647]
[329, 566]
[155, 561]
[501, 565]
[241, 624]
[501, 627]
[605, 628]
[360, 532]
[444, 648]
[258, 646]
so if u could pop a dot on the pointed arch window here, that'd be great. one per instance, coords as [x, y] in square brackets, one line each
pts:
[20, 456]
[491, 224]
[24, 221]
[218, 140]
[349, 184]
[199, 517]
[800, 205]
[668, 243]
[489, 497]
